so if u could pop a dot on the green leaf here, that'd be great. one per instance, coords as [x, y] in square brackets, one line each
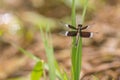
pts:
[37, 72]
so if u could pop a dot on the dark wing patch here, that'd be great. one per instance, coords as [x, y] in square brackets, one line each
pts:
[85, 27]
[71, 33]
[70, 26]
[86, 34]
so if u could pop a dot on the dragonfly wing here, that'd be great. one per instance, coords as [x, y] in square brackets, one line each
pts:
[71, 33]
[85, 27]
[86, 34]
[70, 26]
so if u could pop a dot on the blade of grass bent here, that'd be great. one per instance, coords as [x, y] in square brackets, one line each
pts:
[45, 38]
[25, 52]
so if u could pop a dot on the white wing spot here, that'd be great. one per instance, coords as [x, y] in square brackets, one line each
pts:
[66, 33]
[66, 25]
[91, 35]
[88, 27]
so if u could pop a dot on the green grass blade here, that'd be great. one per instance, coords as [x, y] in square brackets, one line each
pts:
[58, 71]
[77, 51]
[49, 53]
[84, 11]
[73, 55]
[30, 55]
[65, 76]
[78, 61]
[27, 53]
[73, 13]
[79, 48]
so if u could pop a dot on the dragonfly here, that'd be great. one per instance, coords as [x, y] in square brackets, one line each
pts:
[78, 32]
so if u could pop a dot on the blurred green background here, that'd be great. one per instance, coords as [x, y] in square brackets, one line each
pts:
[19, 24]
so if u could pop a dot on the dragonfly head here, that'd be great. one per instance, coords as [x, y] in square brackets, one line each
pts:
[80, 25]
